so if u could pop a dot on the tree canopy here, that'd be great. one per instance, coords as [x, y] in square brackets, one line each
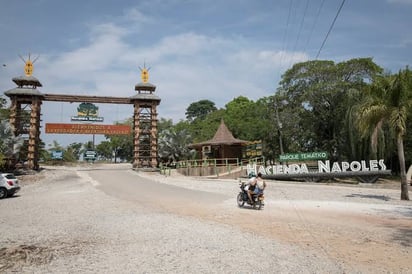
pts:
[388, 101]
[199, 109]
[319, 94]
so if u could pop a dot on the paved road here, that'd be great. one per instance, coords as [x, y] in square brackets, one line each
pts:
[128, 185]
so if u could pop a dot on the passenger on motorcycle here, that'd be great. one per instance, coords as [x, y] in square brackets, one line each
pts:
[260, 184]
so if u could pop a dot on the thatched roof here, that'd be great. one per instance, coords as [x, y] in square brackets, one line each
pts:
[26, 86]
[23, 91]
[223, 136]
[145, 87]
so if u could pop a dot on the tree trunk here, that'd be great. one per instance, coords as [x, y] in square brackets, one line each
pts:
[404, 182]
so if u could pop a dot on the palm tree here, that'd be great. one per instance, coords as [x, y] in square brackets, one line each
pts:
[9, 144]
[387, 103]
[173, 145]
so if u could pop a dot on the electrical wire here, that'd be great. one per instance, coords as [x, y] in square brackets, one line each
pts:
[315, 22]
[301, 24]
[330, 29]
[282, 53]
[299, 32]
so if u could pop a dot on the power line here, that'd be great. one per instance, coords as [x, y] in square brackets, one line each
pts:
[330, 29]
[314, 24]
[301, 25]
[284, 42]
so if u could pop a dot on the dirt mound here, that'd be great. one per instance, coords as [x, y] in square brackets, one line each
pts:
[15, 257]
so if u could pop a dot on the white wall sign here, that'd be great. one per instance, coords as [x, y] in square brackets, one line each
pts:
[322, 167]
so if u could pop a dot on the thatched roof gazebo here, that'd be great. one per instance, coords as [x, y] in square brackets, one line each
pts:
[222, 145]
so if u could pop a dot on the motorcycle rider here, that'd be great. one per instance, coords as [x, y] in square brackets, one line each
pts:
[251, 186]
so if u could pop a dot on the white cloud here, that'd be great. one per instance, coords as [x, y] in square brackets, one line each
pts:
[185, 67]
[135, 15]
[267, 59]
[103, 50]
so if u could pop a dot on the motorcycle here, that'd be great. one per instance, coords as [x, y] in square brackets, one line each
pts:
[242, 198]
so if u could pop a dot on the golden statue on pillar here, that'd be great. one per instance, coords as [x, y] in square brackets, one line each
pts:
[144, 74]
[28, 67]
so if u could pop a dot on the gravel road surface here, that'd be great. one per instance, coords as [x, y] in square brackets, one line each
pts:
[111, 219]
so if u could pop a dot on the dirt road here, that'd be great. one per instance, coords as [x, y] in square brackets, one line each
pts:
[311, 228]
[365, 228]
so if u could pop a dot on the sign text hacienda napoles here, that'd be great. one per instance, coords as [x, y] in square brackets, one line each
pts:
[322, 167]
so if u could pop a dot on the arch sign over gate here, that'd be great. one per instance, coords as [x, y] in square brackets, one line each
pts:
[87, 129]
[26, 95]
[87, 112]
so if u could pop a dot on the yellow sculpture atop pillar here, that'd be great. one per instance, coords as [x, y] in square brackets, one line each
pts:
[28, 67]
[144, 74]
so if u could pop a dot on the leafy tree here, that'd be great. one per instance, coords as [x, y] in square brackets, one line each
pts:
[104, 149]
[122, 145]
[4, 112]
[317, 93]
[408, 140]
[203, 129]
[163, 124]
[87, 109]
[88, 146]
[388, 103]
[199, 109]
[55, 146]
[271, 129]
[246, 119]
[69, 154]
[75, 149]
[43, 153]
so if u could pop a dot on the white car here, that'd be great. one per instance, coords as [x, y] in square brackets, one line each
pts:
[9, 185]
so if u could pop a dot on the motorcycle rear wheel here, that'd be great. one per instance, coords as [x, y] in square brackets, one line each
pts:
[240, 201]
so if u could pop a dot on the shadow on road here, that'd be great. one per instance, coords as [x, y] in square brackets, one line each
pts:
[367, 196]
[403, 236]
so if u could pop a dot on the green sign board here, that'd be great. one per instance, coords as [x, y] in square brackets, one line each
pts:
[90, 155]
[309, 156]
[87, 112]
[252, 149]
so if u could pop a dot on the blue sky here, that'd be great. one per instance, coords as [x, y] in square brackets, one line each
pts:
[215, 50]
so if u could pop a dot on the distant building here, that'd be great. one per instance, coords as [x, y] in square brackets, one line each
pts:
[222, 145]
